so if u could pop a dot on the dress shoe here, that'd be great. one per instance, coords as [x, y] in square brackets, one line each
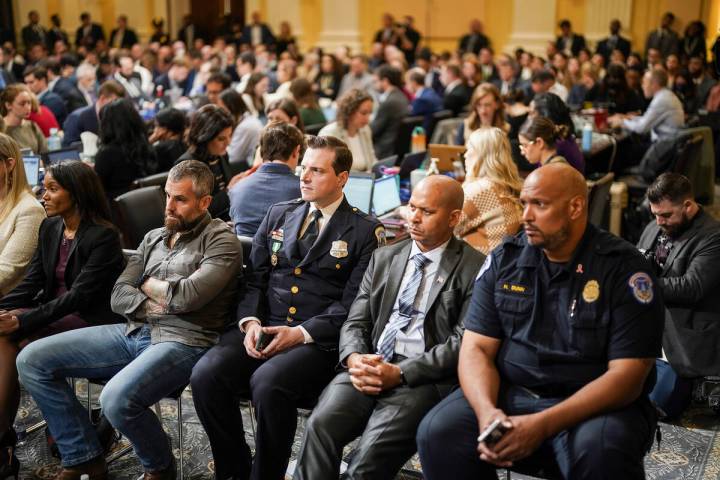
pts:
[169, 473]
[96, 469]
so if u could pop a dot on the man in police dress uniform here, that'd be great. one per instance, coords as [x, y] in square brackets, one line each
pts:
[308, 259]
[560, 342]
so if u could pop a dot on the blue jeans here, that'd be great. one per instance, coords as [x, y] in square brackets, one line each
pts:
[141, 374]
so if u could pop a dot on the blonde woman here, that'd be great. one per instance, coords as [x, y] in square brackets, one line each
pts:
[486, 110]
[20, 216]
[492, 188]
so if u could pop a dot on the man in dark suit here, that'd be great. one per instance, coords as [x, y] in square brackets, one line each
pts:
[189, 32]
[568, 41]
[257, 32]
[684, 245]
[6, 76]
[393, 107]
[88, 33]
[508, 82]
[33, 32]
[426, 101]
[87, 119]
[56, 32]
[275, 181]
[400, 343]
[664, 39]
[36, 78]
[122, 36]
[457, 93]
[63, 86]
[615, 41]
[308, 258]
[475, 40]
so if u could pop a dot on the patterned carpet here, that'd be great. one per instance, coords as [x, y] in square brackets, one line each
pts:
[689, 450]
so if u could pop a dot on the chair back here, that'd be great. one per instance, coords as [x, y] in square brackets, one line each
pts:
[599, 199]
[138, 212]
[246, 243]
[407, 125]
[157, 179]
[314, 129]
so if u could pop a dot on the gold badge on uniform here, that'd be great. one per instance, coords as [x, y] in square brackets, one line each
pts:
[339, 249]
[273, 260]
[381, 236]
[591, 291]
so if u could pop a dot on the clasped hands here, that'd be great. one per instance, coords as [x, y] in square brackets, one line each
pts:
[156, 291]
[9, 322]
[524, 435]
[370, 374]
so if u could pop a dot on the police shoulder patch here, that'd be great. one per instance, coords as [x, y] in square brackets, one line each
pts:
[380, 235]
[642, 287]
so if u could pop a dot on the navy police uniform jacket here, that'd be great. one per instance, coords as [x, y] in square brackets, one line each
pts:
[316, 291]
[560, 324]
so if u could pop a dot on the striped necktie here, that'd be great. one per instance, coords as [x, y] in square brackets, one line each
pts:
[406, 308]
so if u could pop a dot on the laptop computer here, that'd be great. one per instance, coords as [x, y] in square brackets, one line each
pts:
[410, 162]
[359, 190]
[56, 156]
[446, 155]
[32, 169]
[386, 198]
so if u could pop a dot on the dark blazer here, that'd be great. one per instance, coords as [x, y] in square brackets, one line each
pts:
[55, 34]
[386, 123]
[266, 37]
[164, 81]
[690, 283]
[8, 77]
[577, 43]
[31, 36]
[95, 262]
[79, 121]
[96, 33]
[56, 105]
[480, 42]
[605, 49]
[457, 98]
[427, 103]
[70, 93]
[129, 38]
[448, 301]
[327, 278]
[667, 43]
[252, 196]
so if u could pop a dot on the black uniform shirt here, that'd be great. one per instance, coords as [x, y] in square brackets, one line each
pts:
[562, 323]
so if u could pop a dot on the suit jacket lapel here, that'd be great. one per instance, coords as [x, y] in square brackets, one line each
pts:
[52, 253]
[293, 224]
[448, 262]
[392, 288]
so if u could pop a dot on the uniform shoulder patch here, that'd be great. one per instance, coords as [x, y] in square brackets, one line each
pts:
[485, 267]
[642, 287]
[380, 235]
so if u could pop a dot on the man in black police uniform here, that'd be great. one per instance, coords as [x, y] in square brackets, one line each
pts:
[561, 337]
[308, 258]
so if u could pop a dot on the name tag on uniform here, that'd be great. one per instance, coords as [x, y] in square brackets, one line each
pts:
[339, 249]
[513, 288]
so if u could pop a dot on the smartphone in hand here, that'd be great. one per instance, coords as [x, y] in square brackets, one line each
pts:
[493, 433]
[263, 341]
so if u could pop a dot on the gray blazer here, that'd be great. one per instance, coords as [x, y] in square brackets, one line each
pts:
[448, 301]
[690, 283]
[386, 124]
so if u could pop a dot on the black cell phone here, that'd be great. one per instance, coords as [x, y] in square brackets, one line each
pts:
[263, 341]
[493, 433]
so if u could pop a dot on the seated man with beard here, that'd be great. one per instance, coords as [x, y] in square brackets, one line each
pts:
[177, 293]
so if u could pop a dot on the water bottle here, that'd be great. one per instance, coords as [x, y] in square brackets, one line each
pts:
[417, 141]
[54, 142]
[587, 137]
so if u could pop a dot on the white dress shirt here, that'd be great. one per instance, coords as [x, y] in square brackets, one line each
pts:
[411, 342]
[327, 212]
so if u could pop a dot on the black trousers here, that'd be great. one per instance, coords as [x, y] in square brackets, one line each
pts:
[610, 446]
[277, 387]
[387, 422]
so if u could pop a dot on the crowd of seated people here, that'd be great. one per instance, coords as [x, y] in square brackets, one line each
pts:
[458, 302]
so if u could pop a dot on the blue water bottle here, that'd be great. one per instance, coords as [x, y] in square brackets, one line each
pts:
[587, 137]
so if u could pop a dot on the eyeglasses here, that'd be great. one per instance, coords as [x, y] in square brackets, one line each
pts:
[524, 146]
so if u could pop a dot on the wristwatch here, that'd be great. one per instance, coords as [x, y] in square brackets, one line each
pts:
[403, 380]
